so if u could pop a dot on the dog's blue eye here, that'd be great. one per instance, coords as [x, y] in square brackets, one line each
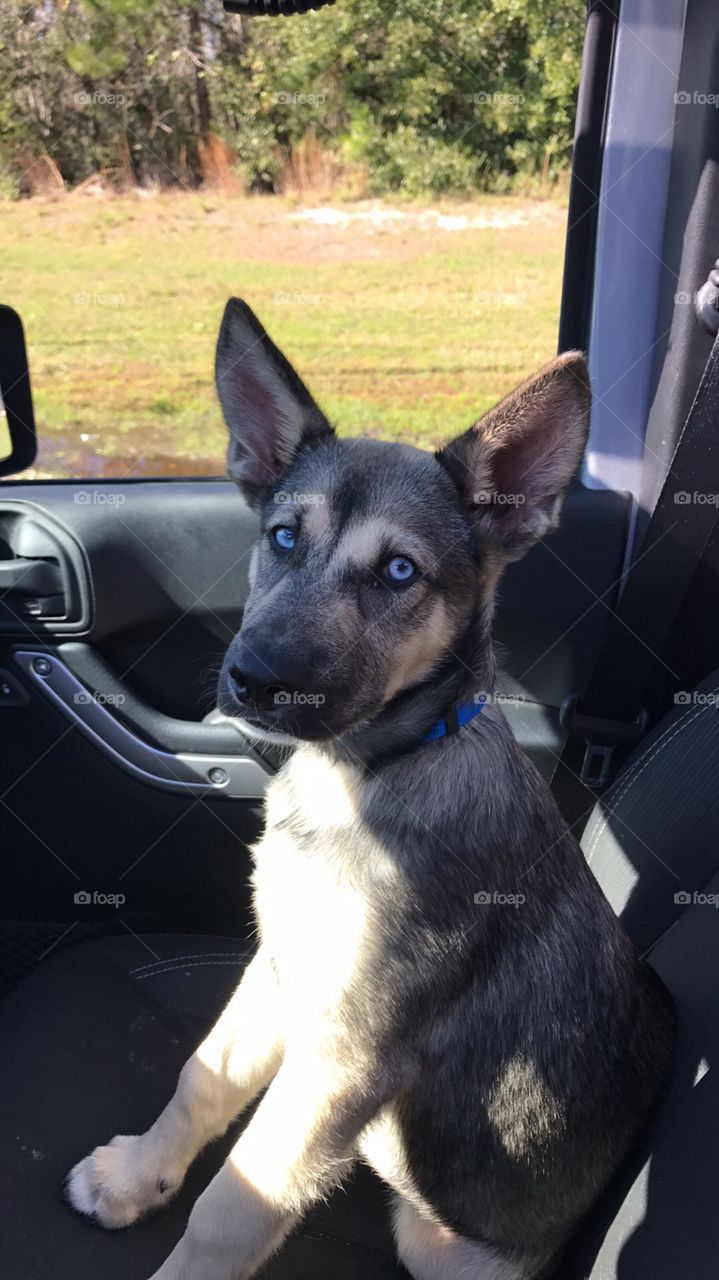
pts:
[400, 569]
[284, 537]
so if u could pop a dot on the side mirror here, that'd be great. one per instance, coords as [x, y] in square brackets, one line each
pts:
[15, 395]
[273, 8]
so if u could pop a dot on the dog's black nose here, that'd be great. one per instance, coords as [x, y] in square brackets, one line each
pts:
[260, 693]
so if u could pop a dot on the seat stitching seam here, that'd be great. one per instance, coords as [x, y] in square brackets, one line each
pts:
[629, 781]
[197, 955]
[214, 937]
[340, 1238]
[197, 964]
[632, 777]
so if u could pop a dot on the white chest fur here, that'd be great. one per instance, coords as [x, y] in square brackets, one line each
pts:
[316, 896]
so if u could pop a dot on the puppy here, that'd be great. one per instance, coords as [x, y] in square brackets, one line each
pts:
[440, 988]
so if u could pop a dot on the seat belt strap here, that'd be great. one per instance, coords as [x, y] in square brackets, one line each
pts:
[611, 710]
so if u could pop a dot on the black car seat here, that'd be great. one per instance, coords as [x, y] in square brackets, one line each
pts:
[93, 1040]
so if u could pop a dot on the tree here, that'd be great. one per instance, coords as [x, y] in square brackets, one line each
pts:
[441, 96]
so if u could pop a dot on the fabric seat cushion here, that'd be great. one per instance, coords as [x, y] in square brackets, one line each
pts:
[658, 1221]
[654, 836]
[92, 1045]
[653, 843]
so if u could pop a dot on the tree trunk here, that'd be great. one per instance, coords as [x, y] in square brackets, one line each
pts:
[204, 114]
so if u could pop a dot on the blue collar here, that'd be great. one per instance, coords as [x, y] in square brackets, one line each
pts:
[458, 717]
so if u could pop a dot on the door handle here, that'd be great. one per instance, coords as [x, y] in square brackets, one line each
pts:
[238, 777]
[44, 576]
[30, 577]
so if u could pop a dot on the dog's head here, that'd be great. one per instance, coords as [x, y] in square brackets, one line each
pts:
[375, 559]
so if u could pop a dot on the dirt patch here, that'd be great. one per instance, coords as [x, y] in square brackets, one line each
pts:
[378, 218]
[369, 230]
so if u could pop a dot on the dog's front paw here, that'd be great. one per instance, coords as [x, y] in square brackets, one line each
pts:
[115, 1185]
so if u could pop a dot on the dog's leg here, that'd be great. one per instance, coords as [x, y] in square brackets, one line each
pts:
[120, 1182]
[298, 1145]
[433, 1252]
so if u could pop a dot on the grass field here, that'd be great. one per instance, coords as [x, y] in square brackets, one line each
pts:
[406, 322]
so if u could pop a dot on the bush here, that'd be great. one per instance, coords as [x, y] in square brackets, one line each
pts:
[435, 98]
[415, 165]
[9, 185]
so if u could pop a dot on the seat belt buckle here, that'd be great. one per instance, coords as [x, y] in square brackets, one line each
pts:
[601, 737]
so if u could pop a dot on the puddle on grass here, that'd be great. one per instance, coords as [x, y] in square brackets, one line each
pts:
[73, 458]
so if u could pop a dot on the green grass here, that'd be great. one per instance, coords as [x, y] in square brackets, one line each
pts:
[408, 334]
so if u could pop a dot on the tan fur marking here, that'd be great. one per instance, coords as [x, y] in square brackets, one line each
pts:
[522, 1108]
[382, 1146]
[433, 1252]
[315, 518]
[252, 570]
[416, 657]
[493, 573]
[362, 542]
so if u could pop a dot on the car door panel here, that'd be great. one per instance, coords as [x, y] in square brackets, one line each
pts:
[167, 566]
[165, 579]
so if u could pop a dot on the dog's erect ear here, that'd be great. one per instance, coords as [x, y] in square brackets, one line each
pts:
[268, 409]
[513, 467]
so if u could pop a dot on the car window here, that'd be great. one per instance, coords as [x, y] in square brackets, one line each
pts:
[387, 189]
